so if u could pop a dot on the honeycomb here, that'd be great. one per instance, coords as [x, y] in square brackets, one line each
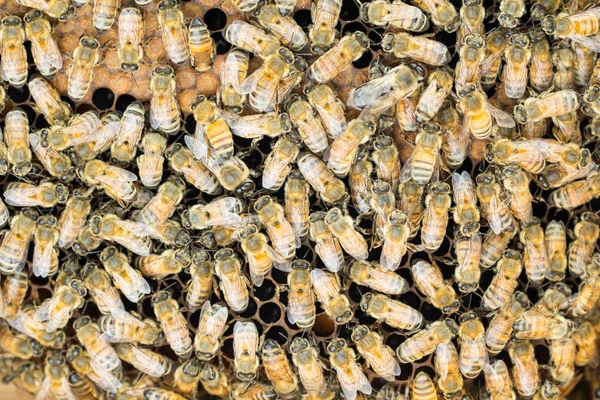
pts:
[112, 89]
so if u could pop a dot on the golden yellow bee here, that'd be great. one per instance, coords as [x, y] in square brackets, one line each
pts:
[489, 193]
[202, 47]
[80, 73]
[98, 284]
[478, 113]
[442, 13]
[105, 14]
[116, 182]
[277, 368]
[280, 231]
[325, 15]
[306, 121]
[419, 48]
[223, 211]
[277, 164]
[82, 387]
[144, 360]
[387, 161]
[102, 356]
[329, 107]
[423, 162]
[129, 281]
[586, 233]
[435, 219]
[214, 380]
[251, 38]
[48, 101]
[213, 320]
[516, 182]
[541, 71]
[379, 356]
[231, 173]
[322, 180]
[13, 65]
[326, 245]
[497, 40]
[473, 353]
[45, 256]
[233, 73]
[131, 33]
[423, 387]
[174, 31]
[212, 132]
[500, 327]
[585, 60]
[187, 376]
[16, 136]
[350, 48]
[150, 163]
[233, 283]
[504, 282]
[327, 288]
[200, 287]
[13, 250]
[181, 160]
[81, 126]
[564, 64]
[18, 345]
[45, 51]
[468, 254]
[535, 324]
[30, 378]
[97, 142]
[428, 279]
[548, 105]
[59, 9]
[72, 221]
[382, 202]
[556, 248]
[24, 321]
[589, 291]
[535, 257]
[57, 164]
[56, 383]
[411, 199]
[349, 373]
[261, 256]
[511, 12]
[360, 182]
[390, 311]
[344, 148]
[45, 195]
[526, 153]
[466, 213]
[584, 337]
[129, 234]
[450, 380]
[305, 357]
[301, 301]
[396, 14]
[439, 85]
[14, 289]
[164, 109]
[163, 204]
[525, 367]
[579, 27]
[121, 326]
[395, 234]
[124, 148]
[81, 362]
[562, 359]
[576, 193]
[373, 276]
[498, 381]
[158, 266]
[342, 228]
[297, 203]
[282, 27]
[245, 348]
[471, 56]
[406, 111]
[172, 323]
[472, 14]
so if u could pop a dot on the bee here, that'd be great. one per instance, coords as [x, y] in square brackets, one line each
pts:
[382, 202]
[45, 51]
[309, 126]
[45, 256]
[466, 213]
[144, 360]
[456, 140]
[82, 364]
[327, 288]
[150, 163]
[471, 56]
[212, 132]
[234, 285]
[496, 40]
[411, 200]
[564, 63]
[124, 148]
[258, 126]
[349, 373]
[525, 367]
[500, 327]
[245, 347]
[562, 359]
[576, 27]
[390, 311]
[419, 48]
[326, 245]
[473, 353]
[13, 250]
[102, 356]
[231, 173]
[423, 162]
[301, 301]
[342, 228]
[261, 256]
[202, 47]
[174, 31]
[278, 369]
[163, 204]
[478, 113]
[552, 104]
[59, 9]
[541, 71]
[214, 380]
[566, 128]
[54, 162]
[18, 345]
[428, 279]
[526, 153]
[472, 14]
[45, 195]
[251, 38]
[56, 383]
[395, 234]
[123, 327]
[350, 48]
[172, 323]
[489, 193]
[22, 319]
[97, 142]
[535, 256]
[584, 337]
[330, 109]
[586, 233]
[164, 109]
[322, 32]
[322, 180]
[233, 73]
[48, 102]
[30, 378]
[223, 211]
[556, 248]
[516, 182]
[305, 357]
[297, 202]
[574, 194]
[360, 180]
[80, 73]
[511, 12]
[13, 293]
[406, 111]
[105, 14]
[282, 27]
[468, 253]
[386, 158]
[344, 148]
[423, 387]
[98, 284]
[186, 377]
[13, 65]
[200, 287]
[16, 136]
[373, 276]
[379, 356]
[497, 380]
[434, 95]
[213, 320]
[504, 282]
[397, 14]
[82, 126]
[442, 13]
[589, 291]
[82, 387]
[450, 381]
[126, 278]
[131, 32]
[585, 60]
[128, 234]
[182, 160]
[280, 231]
[72, 221]
[534, 324]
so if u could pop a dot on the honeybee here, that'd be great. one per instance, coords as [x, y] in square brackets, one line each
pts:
[325, 15]
[45, 51]
[261, 256]
[231, 173]
[471, 56]
[56, 384]
[478, 112]
[297, 202]
[278, 369]
[584, 337]
[161, 394]
[541, 71]
[105, 13]
[59, 9]
[186, 377]
[45, 195]
[13, 293]
[419, 48]
[213, 320]
[72, 221]
[245, 347]
[423, 162]
[124, 148]
[258, 126]
[150, 164]
[504, 282]
[48, 102]
[390, 311]
[500, 327]
[450, 381]
[305, 357]
[564, 63]
[30, 378]
[24, 320]
[201, 284]
[322, 180]
[344, 148]
[511, 12]
[117, 182]
[496, 40]
[525, 367]
[379, 356]
[13, 250]
[174, 31]
[526, 153]
[45, 256]
[123, 327]
[562, 359]
[586, 234]
[233, 73]
[16, 136]
[233, 283]
[473, 353]
[360, 182]
[406, 111]
[172, 323]
[182, 160]
[574, 194]
[589, 291]
[301, 301]
[18, 345]
[214, 380]
[128, 234]
[56, 163]
[329, 107]
[13, 65]
[309, 127]
[396, 14]
[579, 27]
[144, 360]
[411, 200]
[373, 276]
[129, 281]
[535, 256]
[516, 182]
[98, 284]
[282, 27]
[202, 47]
[552, 104]
[350, 48]
[466, 213]
[423, 387]
[434, 95]
[103, 357]
[131, 32]
[80, 73]
[327, 288]
[223, 211]
[498, 381]
[88, 147]
[395, 234]
[428, 279]
[489, 193]
[326, 245]
[251, 38]
[585, 60]
[349, 373]
[342, 228]
[163, 204]
[82, 126]
[81, 362]
[280, 231]
[212, 132]
[164, 109]
[468, 253]
[556, 248]
[82, 387]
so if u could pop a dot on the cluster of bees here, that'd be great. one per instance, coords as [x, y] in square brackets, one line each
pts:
[103, 203]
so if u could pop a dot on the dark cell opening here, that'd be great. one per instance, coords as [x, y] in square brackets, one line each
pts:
[278, 334]
[254, 159]
[173, 286]
[84, 108]
[228, 348]
[279, 276]
[251, 310]
[38, 280]
[195, 318]
[215, 19]
[324, 326]
[269, 313]
[375, 37]
[146, 307]
[486, 279]
[103, 98]
[18, 95]
[444, 247]
[349, 11]
[405, 371]
[123, 101]
[41, 123]
[378, 383]
[411, 299]
[223, 46]
[266, 291]
[364, 318]
[542, 354]
[355, 292]
[430, 313]
[30, 113]
[190, 124]
[353, 27]
[532, 293]
[92, 310]
[30, 59]
[303, 18]
[44, 294]
[471, 301]
[243, 142]
[394, 340]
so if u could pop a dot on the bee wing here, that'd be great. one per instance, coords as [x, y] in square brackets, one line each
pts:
[323, 17]
[198, 144]
[128, 32]
[249, 84]
[489, 62]
[42, 258]
[22, 197]
[250, 128]
[494, 218]
[278, 261]
[329, 250]
[215, 324]
[463, 188]
[43, 312]
[106, 381]
[391, 255]
[406, 171]
[122, 174]
[329, 120]
[352, 380]
[463, 72]
[125, 318]
[590, 42]
[128, 130]
[44, 392]
[230, 72]
[503, 119]
[109, 297]
[136, 284]
[385, 361]
[356, 242]
[365, 94]
[256, 278]
[41, 5]
[432, 7]
[152, 365]
[243, 331]
[325, 287]
[50, 55]
[275, 166]
[444, 359]
[473, 250]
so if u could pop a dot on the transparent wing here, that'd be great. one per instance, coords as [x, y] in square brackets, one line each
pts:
[42, 259]
[22, 197]
[503, 119]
